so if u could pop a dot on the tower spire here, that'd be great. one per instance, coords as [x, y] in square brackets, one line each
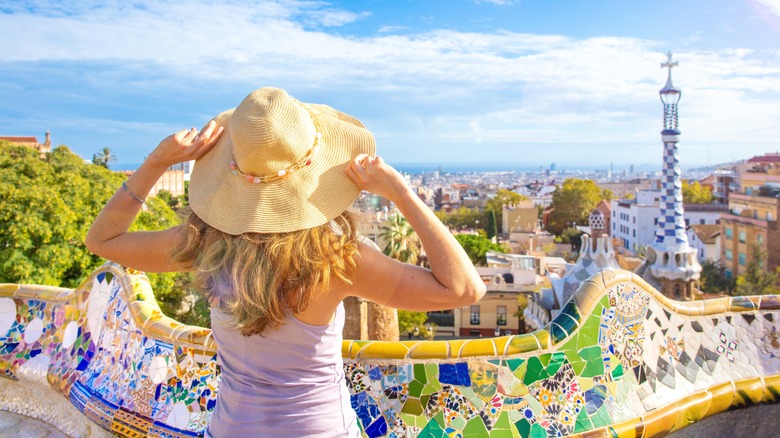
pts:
[671, 261]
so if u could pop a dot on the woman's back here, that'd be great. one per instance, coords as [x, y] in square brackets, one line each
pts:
[287, 382]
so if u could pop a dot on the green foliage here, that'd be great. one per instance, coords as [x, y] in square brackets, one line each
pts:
[402, 242]
[573, 202]
[756, 280]
[462, 218]
[696, 193]
[714, 280]
[46, 208]
[503, 197]
[408, 320]
[476, 246]
[491, 229]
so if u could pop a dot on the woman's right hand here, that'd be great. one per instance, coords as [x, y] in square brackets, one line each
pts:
[376, 176]
[186, 145]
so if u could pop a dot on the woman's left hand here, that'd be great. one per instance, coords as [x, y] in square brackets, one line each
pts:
[186, 145]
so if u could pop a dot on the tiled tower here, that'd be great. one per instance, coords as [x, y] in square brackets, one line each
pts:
[671, 263]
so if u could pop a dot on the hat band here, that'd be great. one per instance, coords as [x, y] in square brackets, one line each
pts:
[282, 173]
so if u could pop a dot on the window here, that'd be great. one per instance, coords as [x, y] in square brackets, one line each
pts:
[634, 233]
[701, 221]
[728, 273]
[769, 216]
[634, 219]
[729, 233]
[687, 222]
[729, 255]
[500, 315]
[760, 239]
[742, 237]
[475, 314]
[742, 259]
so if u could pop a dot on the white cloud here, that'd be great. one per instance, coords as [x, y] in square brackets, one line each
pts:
[500, 88]
[772, 5]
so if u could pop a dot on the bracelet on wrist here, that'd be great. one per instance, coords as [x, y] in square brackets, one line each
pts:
[132, 194]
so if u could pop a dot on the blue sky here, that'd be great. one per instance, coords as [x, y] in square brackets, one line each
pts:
[453, 81]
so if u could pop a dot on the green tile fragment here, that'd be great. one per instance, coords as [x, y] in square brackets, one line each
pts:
[503, 421]
[475, 428]
[431, 387]
[432, 430]
[617, 373]
[524, 427]
[412, 406]
[514, 363]
[601, 418]
[458, 423]
[535, 370]
[557, 360]
[537, 431]
[415, 388]
[583, 424]
[594, 365]
[419, 373]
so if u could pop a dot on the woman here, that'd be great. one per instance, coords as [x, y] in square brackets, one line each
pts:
[275, 249]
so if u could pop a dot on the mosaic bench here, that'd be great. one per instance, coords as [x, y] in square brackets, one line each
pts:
[619, 360]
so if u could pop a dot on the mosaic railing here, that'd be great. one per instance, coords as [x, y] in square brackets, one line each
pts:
[620, 359]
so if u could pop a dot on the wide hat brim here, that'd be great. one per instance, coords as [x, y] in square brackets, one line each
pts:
[305, 198]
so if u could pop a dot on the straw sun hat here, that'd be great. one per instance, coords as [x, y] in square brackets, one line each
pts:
[279, 166]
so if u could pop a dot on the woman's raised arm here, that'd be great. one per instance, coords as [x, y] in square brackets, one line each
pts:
[452, 281]
[147, 250]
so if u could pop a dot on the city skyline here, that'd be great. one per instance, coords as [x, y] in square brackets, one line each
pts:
[519, 82]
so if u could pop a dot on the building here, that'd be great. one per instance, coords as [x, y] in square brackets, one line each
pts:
[519, 218]
[751, 224]
[671, 265]
[725, 181]
[506, 277]
[31, 142]
[635, 221]
[622, 189]
[706, 240]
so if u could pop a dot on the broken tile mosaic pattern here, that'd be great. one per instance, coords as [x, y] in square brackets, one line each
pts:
[619, 356]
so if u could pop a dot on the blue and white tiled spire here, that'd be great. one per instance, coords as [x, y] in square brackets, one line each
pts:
[670, 259]
[671, 220]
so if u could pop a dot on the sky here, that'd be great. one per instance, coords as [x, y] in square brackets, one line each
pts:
[523, 82]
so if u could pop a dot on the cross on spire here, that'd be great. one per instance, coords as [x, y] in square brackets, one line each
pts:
[669, 64]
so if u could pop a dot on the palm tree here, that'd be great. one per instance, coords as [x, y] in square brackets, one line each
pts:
[104, 158]
[401, 242]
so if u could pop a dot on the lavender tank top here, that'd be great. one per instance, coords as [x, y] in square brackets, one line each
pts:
[287, 383]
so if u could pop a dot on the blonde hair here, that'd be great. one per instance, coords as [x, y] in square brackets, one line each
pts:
[257, 277]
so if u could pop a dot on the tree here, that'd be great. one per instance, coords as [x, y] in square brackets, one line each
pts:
[714, 280]
[104, 158]
[696, 193]
[402, 242]
[756, 280]
[492, 229]
[503, 197]
[573, 202]
[462, 218]
[408, 321]
[477, 246]
[47, 206]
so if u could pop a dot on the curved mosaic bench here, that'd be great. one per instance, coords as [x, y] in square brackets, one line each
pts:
[620, 359]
